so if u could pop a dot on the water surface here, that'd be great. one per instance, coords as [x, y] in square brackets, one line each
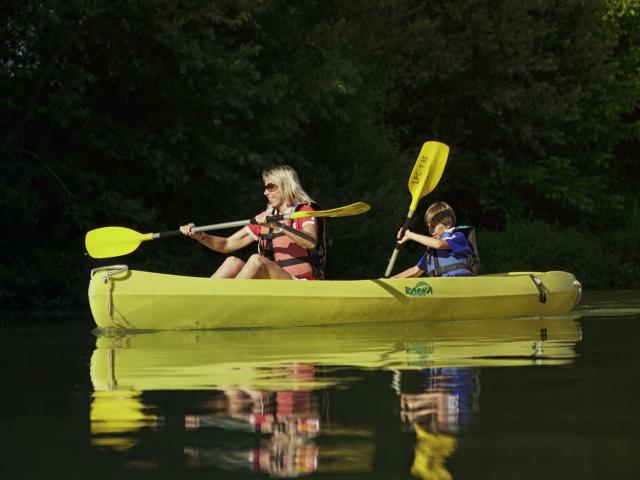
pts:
[552, 398]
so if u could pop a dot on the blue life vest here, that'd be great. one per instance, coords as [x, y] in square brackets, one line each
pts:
[446, 263]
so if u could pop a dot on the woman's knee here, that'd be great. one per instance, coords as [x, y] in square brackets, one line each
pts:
[233, 262]
[229, 268]
[257, 259]
[265, 268]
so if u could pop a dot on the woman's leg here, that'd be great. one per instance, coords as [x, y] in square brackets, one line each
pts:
[229, 268]
[260, 267]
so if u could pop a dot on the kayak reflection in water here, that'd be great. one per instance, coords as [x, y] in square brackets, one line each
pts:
[285, 250]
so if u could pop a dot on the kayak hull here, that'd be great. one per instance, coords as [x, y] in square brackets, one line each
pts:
[131, 299]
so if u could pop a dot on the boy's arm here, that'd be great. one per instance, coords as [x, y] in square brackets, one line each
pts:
[425, 240]
[409, 273]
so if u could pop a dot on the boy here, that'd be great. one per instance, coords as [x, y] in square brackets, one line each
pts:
[448, 250]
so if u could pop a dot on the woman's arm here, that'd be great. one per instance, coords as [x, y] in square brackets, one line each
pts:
[232, 243]
[236, 241]
[307, 238]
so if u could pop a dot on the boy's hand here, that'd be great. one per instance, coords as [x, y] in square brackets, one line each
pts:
[438, 230]
[405, 238]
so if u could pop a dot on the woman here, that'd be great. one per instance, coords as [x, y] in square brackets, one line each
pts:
[283, 248]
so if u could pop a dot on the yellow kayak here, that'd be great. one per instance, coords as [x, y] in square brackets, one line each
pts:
[131, 299]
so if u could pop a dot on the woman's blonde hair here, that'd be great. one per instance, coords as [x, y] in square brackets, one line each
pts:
[440, 212]
[288, 182]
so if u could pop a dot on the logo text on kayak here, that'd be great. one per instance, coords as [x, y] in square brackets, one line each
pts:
[421, 289]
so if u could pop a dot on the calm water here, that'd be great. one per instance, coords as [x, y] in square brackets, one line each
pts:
[552, 398]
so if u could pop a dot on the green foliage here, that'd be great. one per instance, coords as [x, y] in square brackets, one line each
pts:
[152, 113]
[607, 259]
[528, 94]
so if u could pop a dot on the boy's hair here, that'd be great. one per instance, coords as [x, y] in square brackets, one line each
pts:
[287, 180]
[440, 212]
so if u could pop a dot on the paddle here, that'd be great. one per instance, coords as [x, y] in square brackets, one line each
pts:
[424, 178]
[108, 242]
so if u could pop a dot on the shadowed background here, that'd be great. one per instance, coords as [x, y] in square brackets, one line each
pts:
[150, 114]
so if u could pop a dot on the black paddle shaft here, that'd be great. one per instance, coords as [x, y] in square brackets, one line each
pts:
[167, 234]
[404, 228]
[275, 218]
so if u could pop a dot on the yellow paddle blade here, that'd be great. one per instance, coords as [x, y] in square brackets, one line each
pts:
[346, 211]
[427, 171]
[108, 242]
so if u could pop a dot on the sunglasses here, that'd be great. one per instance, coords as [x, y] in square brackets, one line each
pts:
[270, 187]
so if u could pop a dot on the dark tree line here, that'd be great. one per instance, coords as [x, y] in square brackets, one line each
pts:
[152, 113]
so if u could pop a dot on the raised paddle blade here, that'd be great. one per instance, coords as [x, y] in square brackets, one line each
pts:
[424, 178]
[427, 171]
[439, 157]
[346, 211]
[109, 242]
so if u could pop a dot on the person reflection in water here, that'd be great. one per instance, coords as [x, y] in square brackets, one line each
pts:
[289, 417]
[441, 406]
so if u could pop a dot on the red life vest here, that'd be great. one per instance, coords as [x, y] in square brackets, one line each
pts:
[278, 247]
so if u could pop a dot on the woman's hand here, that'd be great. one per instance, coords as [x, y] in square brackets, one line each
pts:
[187, 230]
[261, 219]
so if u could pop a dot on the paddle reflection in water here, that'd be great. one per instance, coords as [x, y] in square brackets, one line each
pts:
[285, 401]
[437, 403]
